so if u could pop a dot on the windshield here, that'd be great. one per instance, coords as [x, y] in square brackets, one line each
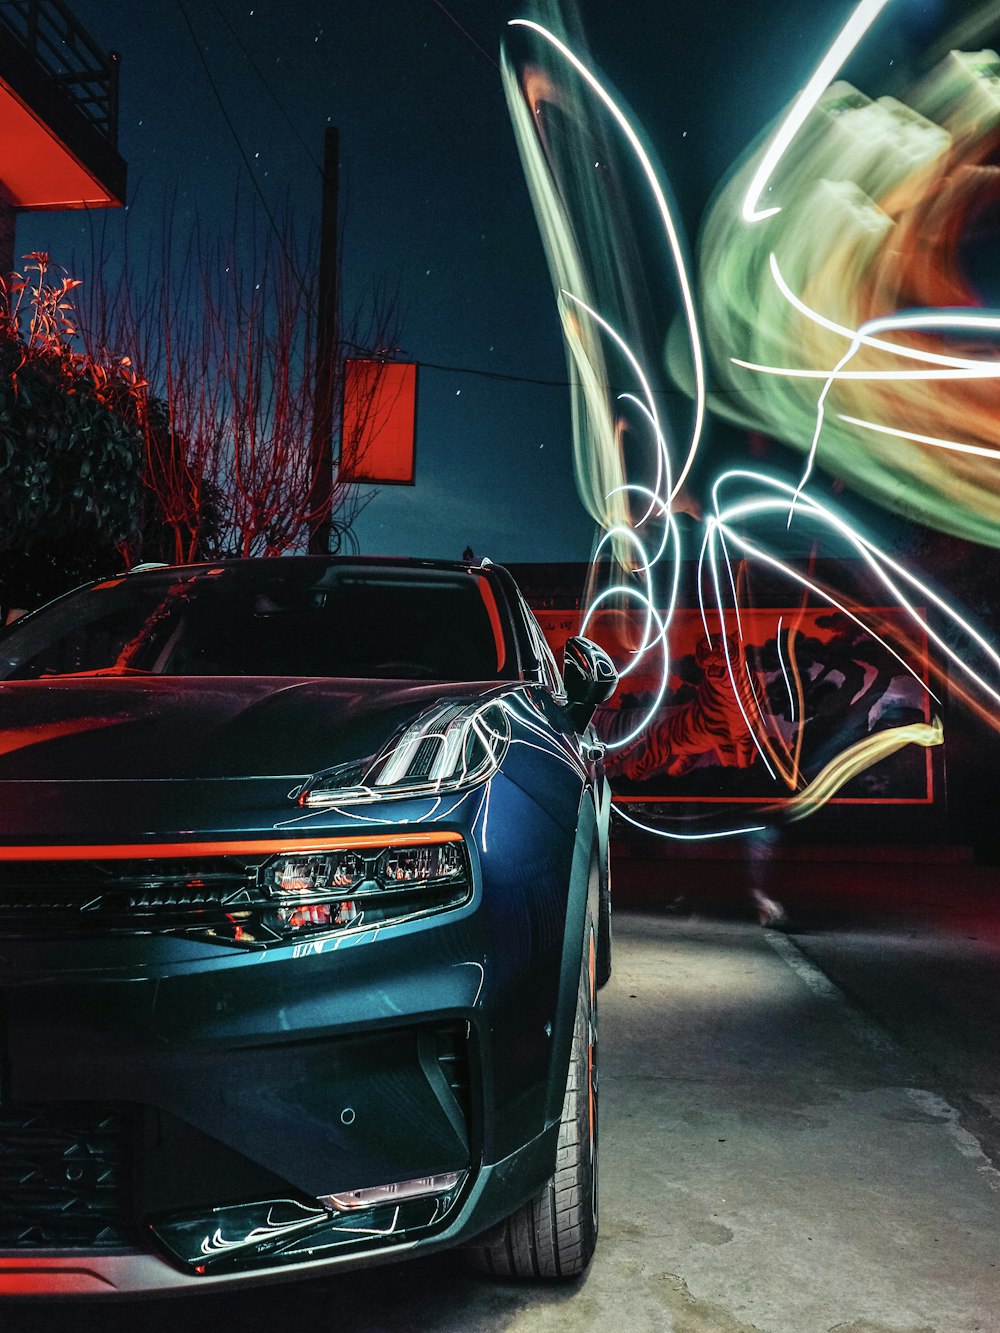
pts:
[292, 617]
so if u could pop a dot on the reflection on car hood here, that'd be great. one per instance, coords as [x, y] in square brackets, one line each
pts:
[131, 729]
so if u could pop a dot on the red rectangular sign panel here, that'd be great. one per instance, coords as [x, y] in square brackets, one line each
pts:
[379, 422]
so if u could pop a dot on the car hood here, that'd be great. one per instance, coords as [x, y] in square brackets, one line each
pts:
[160, 728]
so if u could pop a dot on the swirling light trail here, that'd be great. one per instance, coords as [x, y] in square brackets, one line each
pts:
[763, 497]
[662, 457]
[989, 372]
[624, 591]
[865, 336]
[670, 228]
[753, 731]
[850, 35]
[876, 559]
[979, 450]
[876, 198]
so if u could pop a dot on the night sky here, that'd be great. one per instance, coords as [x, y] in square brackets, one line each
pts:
[433, 196]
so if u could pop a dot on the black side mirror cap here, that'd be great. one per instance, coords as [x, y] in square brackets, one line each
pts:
[591, 678]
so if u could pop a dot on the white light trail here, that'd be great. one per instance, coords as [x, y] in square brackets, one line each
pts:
[956, 446]
[662, 457]
[984, 371]
[725, 649]
[622, 590]
[878, 561]
[673, 237]
[850, 35]
[865, 336]
[784, 673]
[691, 837]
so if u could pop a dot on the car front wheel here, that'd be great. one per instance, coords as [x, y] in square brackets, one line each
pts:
[553, 1235]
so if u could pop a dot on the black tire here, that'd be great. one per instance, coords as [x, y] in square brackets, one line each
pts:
[553, 1235]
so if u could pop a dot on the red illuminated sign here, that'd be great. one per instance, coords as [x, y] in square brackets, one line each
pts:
[379, 422]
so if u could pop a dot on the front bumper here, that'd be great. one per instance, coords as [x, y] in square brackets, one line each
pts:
[305, 1070]
[145, 1272]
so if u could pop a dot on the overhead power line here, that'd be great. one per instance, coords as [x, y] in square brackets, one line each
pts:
[290, 259]
[466, 34]
[671, 391]
[234, 33]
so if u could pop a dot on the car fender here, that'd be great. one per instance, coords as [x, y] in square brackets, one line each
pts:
[582, 903]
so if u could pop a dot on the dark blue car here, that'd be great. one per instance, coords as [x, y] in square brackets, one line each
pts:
[304, 905]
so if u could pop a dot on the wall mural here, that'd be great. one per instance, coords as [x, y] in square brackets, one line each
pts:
[828, 309]
[808, 680]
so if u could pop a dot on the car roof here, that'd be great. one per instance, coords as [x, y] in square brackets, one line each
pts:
[377, 561]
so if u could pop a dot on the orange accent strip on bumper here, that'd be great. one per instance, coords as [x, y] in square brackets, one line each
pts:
[128, 851]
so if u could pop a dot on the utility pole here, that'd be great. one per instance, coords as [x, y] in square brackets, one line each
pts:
[327, 336]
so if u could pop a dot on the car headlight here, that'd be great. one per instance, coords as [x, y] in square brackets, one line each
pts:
[323, 891]
[253, 892]
[449, 748]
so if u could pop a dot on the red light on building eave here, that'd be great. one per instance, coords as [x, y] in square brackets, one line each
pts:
[37, 170]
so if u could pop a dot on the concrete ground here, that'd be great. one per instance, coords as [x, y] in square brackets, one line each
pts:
[781, 1151]
[796, 1174]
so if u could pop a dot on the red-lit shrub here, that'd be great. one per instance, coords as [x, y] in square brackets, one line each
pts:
[70, 441]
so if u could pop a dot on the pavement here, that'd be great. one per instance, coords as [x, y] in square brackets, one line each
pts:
[799, 1173]
[798, 1129]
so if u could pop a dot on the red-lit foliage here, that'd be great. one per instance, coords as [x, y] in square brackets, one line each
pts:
[225, 336]
[70, 444]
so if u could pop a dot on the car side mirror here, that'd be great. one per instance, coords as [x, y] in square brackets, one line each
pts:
[590, 677]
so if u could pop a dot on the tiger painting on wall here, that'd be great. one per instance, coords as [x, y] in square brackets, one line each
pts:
[802, 679]
[710, 724]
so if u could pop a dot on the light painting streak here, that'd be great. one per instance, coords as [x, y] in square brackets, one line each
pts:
[880, 563]
[990, 372]
[735, 267]
[865, 336]
[784, 672]
[850, 35]
[662, 457]
[669, 527]
[673, 237]
[858, 757]
[751, 729]
[691, 837]
[923, 320]
[661, 689]
[645, 567]
[765, 558]
[654, 494]
[875, 197]
[956, 445]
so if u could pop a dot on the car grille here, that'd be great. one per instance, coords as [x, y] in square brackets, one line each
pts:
[34, 894]
[65, 1177]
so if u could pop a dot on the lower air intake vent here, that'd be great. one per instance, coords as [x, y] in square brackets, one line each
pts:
[65, 1179]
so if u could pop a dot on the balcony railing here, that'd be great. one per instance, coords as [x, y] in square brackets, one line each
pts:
[68, 55]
